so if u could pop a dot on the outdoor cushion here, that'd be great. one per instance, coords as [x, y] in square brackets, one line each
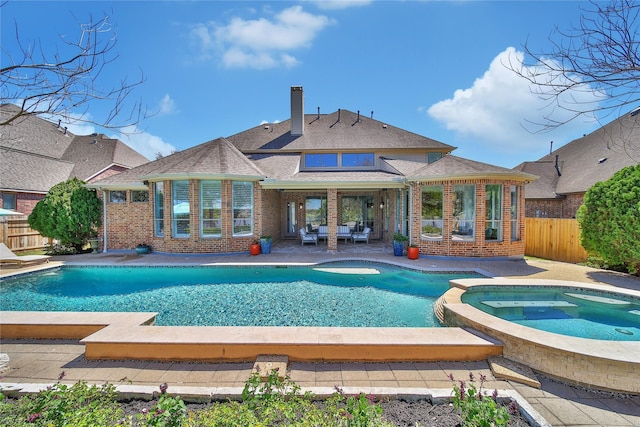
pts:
[307, 238]
[7, 256]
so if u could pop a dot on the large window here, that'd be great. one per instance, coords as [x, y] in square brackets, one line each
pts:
[210, 208]
[180, 208]
[242, 195]
[515, 194]
[352, 160]
[432, 208]
[321, 160]
[158, 209]
[315, 213]
[493, 209]
[464, 212]
[358, 212]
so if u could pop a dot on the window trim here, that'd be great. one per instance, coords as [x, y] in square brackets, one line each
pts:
[118, 201]
[249, 232]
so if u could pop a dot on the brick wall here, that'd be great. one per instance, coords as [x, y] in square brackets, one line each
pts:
[566, 207]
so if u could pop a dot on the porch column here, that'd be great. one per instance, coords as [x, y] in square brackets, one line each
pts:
[332, 219]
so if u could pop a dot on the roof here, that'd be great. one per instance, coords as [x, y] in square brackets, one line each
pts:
[451, 166]
[270, 153]
[43, 154]
[215, 159]
[342, 130]
[583, 162]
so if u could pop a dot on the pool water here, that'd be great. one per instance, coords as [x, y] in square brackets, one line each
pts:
[562, 310]
[336, 294]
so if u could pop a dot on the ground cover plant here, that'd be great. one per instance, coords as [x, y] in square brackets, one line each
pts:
[275, 401]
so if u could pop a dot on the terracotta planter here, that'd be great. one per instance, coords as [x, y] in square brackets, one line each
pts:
[254, 249]
[413, 252]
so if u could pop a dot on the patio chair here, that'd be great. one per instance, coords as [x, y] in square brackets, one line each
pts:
[361, 236]
[307, 238]
[8, 257]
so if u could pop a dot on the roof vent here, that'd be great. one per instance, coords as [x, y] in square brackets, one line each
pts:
[384, 126]
[635, 111]
[602, 160]
[266, 126]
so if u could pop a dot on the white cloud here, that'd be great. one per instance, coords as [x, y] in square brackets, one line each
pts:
[498, 109]
[144, 143]
[260, 43]
[167, 105]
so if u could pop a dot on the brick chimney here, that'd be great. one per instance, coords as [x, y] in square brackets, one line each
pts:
[297, 111]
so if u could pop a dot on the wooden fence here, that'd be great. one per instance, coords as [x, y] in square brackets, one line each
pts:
[554, 238]
[18, 236]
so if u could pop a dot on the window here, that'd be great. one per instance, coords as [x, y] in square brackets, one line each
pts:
[139, 196]
[242, 195]
[351, 160]
[117, 196]
[493, 209]
[432, 208]
[321, 160]
[315, 213]
[432, 157]
[210, 208]
[358, 212]
[515, 194]
[464, 212]
[158, 209]
[180, 208]
[9, 201]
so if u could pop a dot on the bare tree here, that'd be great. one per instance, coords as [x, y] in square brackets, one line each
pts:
[66, 83]
[600, 55]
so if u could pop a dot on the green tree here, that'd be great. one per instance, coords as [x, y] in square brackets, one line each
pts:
[69, 212]
[610, 219]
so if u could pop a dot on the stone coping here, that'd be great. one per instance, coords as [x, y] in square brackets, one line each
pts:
[611, 365]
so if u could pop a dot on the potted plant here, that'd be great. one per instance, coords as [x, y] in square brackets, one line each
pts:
[265, 244]
[143, 248]
[399, 240]
[254, 248]
[413, 252]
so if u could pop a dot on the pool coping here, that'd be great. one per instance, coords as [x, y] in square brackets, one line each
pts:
[611, 365]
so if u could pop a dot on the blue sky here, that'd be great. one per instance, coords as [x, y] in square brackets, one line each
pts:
[216, 68]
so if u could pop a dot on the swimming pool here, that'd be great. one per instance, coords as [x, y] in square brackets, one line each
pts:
[569, 311]
[335, 294]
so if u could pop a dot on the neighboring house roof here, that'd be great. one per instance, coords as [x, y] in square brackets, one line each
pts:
[37, 154]
[31, 173]
[215, 159]
[340, 130]
[587, 160]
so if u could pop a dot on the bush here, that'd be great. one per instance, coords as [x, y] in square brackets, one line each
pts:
[610, 219]
[69, 212]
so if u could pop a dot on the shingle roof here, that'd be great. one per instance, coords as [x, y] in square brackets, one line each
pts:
[326, 132]
[27, 172]
[211, 160]
[582, 161]
[457, 167]
[42, 154]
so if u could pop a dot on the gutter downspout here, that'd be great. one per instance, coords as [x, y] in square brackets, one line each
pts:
[104, 221]
[410, 210]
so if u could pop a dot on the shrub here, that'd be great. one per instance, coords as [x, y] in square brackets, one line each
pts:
[610, 219]
[476, 408]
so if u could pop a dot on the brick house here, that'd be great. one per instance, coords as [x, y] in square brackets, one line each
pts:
[38, 154]
[567, 173]
[330, 170]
